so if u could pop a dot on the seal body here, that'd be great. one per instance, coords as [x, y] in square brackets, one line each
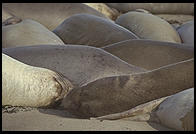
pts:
[119, 93]
[148, 26]
[175, 111]
[42, 12]
[181, 111]
[85, 29]
[80, 64]
[150, 54]
[186, 32]
[27, 33]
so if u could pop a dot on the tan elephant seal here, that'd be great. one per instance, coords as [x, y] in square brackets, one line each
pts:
[25, 85]
[6, 15]
[155, 8]
[186, 32]
[80, 64]
[119, 93]
[8, 18]
[180, 107]
[104, 9]
[148, 26]
[85, 29]
[49, 14]
[142, 10]
[27, 32]
[11, 21]
[150, 54]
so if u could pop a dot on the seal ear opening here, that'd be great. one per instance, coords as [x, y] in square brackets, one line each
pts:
[11, 21]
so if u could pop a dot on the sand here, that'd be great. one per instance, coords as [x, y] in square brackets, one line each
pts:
[32, 119]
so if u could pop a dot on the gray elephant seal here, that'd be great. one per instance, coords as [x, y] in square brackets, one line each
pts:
[27, 33]
[85, 29]
[119, 93]
[150, 54]
[25, 85]
[42, 12]
[80, 64]
[148, 26]
[155, 8]
[180, 107]
[186, 32]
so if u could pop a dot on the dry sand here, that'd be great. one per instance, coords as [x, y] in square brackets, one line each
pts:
[28, 119]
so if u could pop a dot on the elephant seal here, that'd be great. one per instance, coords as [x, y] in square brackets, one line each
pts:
[80, 64]
[148, 26]
[42, 13]
[85, 29]
[104, 9]
[25, 85]
[155, 8]
[119, 93]
[11, 21]
[180, 107]
[8, 18]
[27, 32]
[186, 32]
[150, 54]
[6, 15]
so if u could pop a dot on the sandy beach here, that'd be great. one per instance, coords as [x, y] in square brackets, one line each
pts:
[58, 120]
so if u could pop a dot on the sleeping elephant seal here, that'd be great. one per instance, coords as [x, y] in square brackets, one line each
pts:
[155, 8]
[27, 32]
[24, 85]
[148, 26]
[186, 32]
[80, 64]
[104, 9]
[180, 107]
[150, 54]
[119, 93]
[48, 14]
[85, 29]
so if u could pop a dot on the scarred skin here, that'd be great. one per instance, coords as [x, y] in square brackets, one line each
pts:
[24, 85]
[119, 93]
